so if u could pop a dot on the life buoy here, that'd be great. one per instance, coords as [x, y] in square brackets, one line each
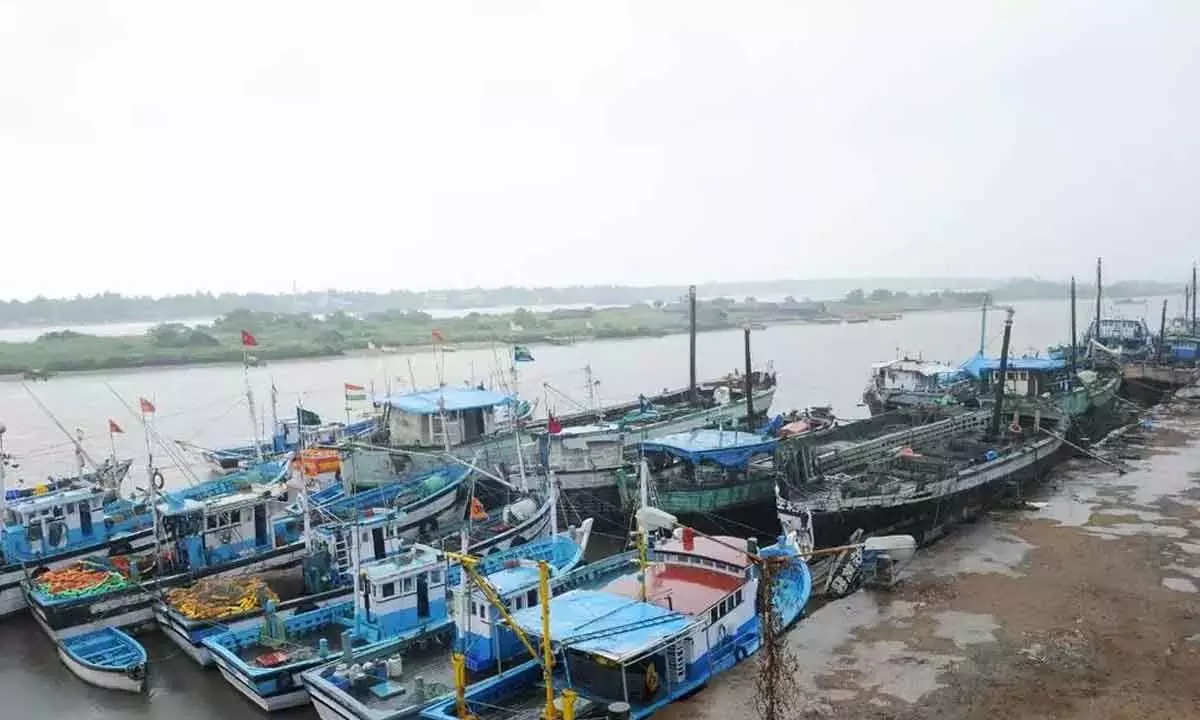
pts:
[651, 681]
[739, 653]
[1015, 429]
[158, 480]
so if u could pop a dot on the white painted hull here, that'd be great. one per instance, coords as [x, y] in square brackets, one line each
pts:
[327, 709]
[101, 678]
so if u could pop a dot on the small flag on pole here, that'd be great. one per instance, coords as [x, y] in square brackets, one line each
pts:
[146, 405]
[522, 354]
[355, 392]
[113, 427]
[553, 426]
[248, 340]
[438, 337]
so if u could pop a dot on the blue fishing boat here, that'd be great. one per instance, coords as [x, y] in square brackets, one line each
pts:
[400, 604]
[289, 436]
[52, 529]
[106, 658]
[222, 526]
[682, 611]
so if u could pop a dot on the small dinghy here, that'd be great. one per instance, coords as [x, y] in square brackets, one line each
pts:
[107, 658]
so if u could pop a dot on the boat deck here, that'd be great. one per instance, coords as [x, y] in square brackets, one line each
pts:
[299, 646]
[104, 648]
[684, 589]
[380, 694]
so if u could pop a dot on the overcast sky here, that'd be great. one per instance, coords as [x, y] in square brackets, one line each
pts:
[169, 146]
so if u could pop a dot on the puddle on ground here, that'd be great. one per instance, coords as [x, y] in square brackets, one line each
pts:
[890, 667]
[1189, 547]
[980, 548]
[1128, 529]
[1182, 570]
[964, 628]
[1179, 584]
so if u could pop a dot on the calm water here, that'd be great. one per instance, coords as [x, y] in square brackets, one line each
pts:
[817, 364]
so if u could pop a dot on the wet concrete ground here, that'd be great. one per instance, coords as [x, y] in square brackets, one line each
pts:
[1085, 608]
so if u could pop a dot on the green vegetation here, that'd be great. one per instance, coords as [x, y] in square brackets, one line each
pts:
[300, 335]
[112, 307]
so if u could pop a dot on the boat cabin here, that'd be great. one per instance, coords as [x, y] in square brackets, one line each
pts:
[708, 470]
[403, 591]
[45, 525]
[446, 416]
[380, 535]
[214, 530]
[919, 376]
[583, 448]
[1128, 335]
[1028, 376]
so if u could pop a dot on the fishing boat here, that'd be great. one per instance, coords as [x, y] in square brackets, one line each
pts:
[681, 613]
[52, 530]
[710, 480]
[108, 475]
[222, 526]
[289, 437]
[915, 472]
[106, 658]
[399, 609]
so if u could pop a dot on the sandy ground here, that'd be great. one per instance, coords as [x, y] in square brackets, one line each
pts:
[1087, 608]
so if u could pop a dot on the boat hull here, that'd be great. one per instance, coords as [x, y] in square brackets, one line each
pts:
[109, 679]
[12, 596]
[928, 515]
[132, 608]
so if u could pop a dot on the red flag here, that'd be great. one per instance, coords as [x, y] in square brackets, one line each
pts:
[553, 426]
[147, 406]
[438, 337]
[248, 340]
[113, 427]
[351, 387]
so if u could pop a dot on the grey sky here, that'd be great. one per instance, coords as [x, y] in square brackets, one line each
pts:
[166, 146]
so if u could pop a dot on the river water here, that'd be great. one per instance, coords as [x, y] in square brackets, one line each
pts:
[816, 364]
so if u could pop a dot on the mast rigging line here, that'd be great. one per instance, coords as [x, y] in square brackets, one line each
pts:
[167, 445]
[74, 440]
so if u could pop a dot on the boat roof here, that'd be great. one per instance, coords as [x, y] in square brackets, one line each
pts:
[980, 364]
[446, 399]
[728, 448]
[605, 624]
[919, 367]
[687, 589]
[727, 549]
[413, 558]
[51, 499]
[513, 579]
[593, 428]
[252, 495]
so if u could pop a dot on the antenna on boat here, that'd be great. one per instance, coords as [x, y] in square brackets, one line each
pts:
[152, 475]
[80, 452]
[1071, 377]
[552, 480]
[1001, 382]
[516, 420]
[1099, 295]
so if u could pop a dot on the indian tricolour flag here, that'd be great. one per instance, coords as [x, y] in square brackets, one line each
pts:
[355, 393]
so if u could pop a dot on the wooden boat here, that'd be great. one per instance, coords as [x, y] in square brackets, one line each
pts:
[106, 658]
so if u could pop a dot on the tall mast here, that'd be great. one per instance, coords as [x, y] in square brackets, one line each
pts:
[1074, 351]
[998, 410]
[1162, 332]
[3, 486]
[152, 485]
[1193, 298]
[258, 453]
[1099, 294]
[516, 422]
[983, 326]
[692, 344]
[749, 381]
[303, 478]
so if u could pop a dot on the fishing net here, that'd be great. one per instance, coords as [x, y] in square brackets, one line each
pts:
[217, 598]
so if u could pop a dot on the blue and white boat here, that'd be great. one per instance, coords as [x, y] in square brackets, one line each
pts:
[400, 604]
[290, 435]
[650, 635]
[217, 527]
[56, 528]
[106, 658]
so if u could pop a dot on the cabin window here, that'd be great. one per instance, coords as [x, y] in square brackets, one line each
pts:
[366, 536]
[713, 615]
[737, 598]
[408, 584]
[474, 608]
[58, 511]
[531, 598]
[388, 590]
[483, 612]
[435, 577]
[519, 603]
[70, 508]
[211, 522]
[235, 516]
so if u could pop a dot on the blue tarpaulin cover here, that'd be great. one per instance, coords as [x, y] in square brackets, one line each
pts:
[726, 448]
[448, 399]
[979, 364]
[603, 623]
